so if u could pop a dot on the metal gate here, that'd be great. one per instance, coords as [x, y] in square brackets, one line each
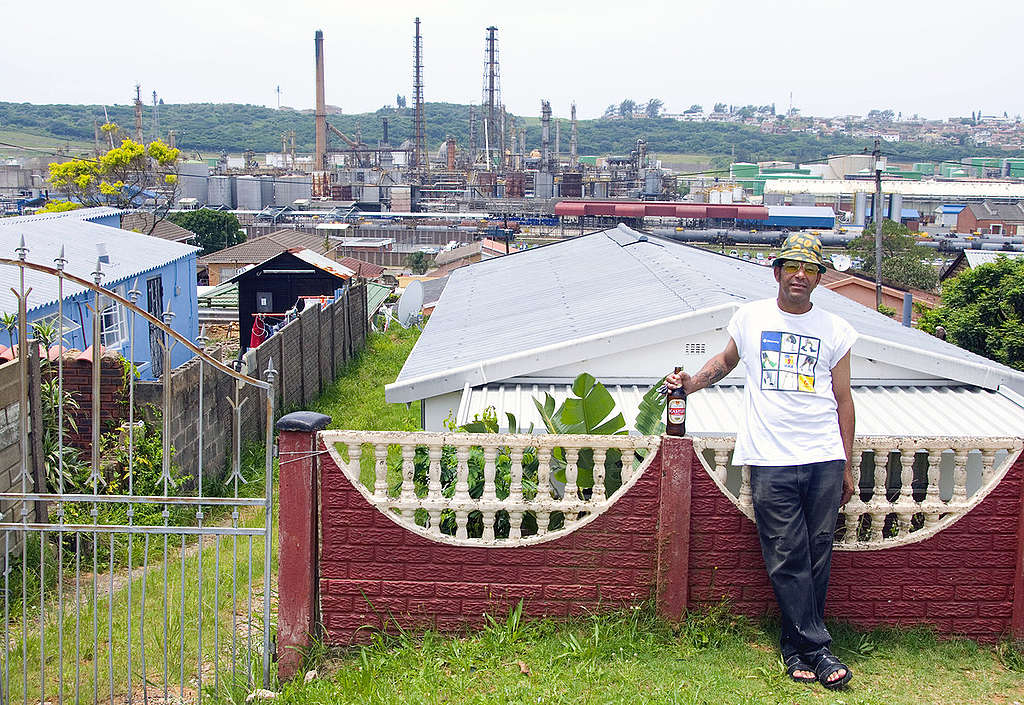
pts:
[127, 578]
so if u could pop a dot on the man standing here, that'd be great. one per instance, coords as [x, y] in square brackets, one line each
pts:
[797, 437]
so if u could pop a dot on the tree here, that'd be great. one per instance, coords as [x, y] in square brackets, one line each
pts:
[215, 230]
[720, 107]
[610, 112]
[626, 108]
[904, 263]
[983, 311]
[653, 108]
[400, 101]
[418, 262]
[58, 206]
[126, 176]
[695, 108]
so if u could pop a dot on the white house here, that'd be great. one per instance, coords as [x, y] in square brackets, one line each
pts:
[626, 307]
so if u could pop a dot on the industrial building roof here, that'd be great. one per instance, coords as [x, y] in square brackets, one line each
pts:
[614, 291]
[801, 212]
[937, 189]
[81, 241]
[987, 210]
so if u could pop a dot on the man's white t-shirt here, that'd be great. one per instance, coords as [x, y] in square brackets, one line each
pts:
[791, 416]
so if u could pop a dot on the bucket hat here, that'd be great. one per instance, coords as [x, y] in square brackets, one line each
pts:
[802, 247]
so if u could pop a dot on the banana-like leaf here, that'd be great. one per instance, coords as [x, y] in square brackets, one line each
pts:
[650, 416]
[589, 411]
[552, 419]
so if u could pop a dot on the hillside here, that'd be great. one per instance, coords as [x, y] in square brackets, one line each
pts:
[209, 129]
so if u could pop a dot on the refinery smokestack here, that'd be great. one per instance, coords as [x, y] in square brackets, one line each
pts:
[320, 159]
[573, 142]
[545, 135]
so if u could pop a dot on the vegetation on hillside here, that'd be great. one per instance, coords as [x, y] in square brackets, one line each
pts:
[206, 129]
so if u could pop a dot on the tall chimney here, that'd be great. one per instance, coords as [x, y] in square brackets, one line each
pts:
[320, 158]
[545, 136]
[574, 157]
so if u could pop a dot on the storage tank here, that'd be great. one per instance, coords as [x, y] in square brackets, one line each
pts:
[860, 207]
[599, 189]
[249, 193]
[896, 208]
[192, 177]
[652, 183]
[288, 189]
[737, 193]
[725, 195]
[714, 196]
[544, 185]
[221, 191]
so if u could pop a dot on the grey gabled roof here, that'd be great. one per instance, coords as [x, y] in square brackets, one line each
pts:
[523, 307]
[130, 256]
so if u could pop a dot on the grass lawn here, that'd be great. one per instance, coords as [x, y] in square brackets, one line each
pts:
[633, 657]
[623, 657]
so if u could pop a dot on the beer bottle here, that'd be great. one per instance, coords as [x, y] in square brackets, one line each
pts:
[675, 424]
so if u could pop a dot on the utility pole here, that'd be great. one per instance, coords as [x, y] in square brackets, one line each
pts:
[877, 214]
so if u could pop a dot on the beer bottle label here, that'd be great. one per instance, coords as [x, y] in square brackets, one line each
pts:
[676, 411]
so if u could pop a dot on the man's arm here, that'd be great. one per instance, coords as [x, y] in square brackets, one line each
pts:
[847, 419]
[714, 370]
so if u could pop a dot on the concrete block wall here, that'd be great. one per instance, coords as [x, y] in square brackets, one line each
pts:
[673, 536]
[962, 581]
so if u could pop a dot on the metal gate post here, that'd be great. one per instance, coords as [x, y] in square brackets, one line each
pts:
[297, 567]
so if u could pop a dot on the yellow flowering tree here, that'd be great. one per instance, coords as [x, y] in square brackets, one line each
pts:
[125, 176]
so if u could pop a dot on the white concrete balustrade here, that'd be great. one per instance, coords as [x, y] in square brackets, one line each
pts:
[910, 488]
[501, 490]
[422, 480]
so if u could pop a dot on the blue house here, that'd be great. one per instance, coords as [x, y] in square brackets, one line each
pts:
[164, 273]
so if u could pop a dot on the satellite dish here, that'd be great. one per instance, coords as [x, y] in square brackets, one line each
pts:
[410, 304]
[841, 262]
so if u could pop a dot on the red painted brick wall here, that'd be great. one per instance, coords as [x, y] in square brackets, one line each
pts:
[113, 396]
[960, 581]
[372, 570]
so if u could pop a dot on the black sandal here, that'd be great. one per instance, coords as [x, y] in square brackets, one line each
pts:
[795, 663]
[826, 665]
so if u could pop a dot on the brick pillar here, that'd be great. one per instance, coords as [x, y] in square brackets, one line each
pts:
[297, 568]
[1017, 616]
[677, 460]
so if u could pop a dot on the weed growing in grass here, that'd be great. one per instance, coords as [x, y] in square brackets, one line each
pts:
[1011, 654]
[712, 626]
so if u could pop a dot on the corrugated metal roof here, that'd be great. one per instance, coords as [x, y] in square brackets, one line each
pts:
[130, 255]
[321, 262]
[87, 214]
[979, 257]
[801, 211]
[881, 411]
[141, 222]
[941, 189]
[376, 295]
[523, 306]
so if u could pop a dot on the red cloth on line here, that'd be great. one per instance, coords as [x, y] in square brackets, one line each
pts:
[260, 332]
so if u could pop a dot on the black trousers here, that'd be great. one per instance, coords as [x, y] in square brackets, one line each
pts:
[796, 508]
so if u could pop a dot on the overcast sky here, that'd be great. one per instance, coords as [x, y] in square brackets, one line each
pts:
[836, 57]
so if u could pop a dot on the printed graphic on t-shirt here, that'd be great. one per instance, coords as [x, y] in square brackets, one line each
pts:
[788, 360]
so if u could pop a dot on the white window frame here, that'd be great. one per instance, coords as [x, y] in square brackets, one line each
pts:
[113, 322]
[67, 326]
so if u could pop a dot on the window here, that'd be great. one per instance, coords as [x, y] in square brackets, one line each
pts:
[113, 322]
[66, 325]
[695, 348]
[995, 229]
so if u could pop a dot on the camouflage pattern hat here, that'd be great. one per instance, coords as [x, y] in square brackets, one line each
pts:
[802, 247]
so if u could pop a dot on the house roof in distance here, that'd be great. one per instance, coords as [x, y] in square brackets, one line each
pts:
[262, 248]
[142, 221]
[308, 256]
[617, 290]
[81, 241]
